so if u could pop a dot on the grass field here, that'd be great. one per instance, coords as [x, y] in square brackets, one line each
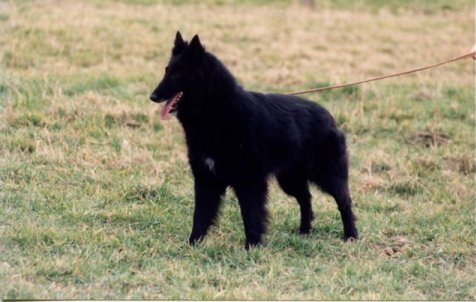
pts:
[96, 194]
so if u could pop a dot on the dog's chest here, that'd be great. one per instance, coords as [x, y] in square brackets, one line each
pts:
[209, 163]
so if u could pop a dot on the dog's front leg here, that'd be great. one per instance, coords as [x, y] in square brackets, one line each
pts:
[207, 202]
[252, 198]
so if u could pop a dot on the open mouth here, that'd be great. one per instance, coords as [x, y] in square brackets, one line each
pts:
[170, 106]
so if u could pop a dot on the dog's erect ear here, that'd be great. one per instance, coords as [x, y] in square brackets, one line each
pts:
[195, 46]
[178, 39]
[179, 44]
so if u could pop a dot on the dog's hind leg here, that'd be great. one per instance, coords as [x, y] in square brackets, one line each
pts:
[296, 186]
[252, 198]
[207, 202]
[344, 204]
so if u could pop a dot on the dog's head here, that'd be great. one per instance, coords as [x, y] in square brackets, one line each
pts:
[181, 73]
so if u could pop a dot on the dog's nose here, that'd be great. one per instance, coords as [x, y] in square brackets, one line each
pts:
[154, 98]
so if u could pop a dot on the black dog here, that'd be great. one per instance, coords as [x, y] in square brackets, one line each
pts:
[239, 138]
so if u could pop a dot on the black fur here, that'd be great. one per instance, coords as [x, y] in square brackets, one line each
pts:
[240, 138]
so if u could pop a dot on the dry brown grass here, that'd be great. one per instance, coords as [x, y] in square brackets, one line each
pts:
[278, 47]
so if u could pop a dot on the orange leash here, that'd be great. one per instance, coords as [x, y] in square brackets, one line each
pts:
[471, 54]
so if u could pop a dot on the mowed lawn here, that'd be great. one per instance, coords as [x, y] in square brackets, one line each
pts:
[96, 195]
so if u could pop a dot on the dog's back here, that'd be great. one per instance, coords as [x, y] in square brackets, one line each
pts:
[284, 130]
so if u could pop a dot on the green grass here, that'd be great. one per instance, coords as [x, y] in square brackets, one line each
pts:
[96, 196]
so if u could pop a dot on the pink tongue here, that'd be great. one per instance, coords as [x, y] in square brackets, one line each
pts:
[165, 112]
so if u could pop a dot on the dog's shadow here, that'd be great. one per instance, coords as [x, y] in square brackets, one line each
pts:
[286, 244]
[306, 245]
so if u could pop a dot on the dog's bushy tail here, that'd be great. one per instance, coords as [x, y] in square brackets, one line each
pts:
[331, 162]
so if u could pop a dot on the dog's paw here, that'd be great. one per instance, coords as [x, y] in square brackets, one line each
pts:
[252, 245]
[304, 230]
[194, 240]
[351, 237]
